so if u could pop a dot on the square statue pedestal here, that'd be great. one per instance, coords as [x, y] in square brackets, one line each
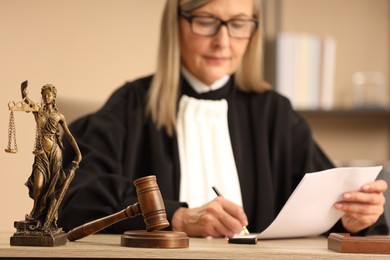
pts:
[24, 236]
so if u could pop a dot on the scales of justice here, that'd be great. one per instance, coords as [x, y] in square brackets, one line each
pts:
[48, 184]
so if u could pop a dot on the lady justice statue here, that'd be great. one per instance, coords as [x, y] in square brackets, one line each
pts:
[48, 181]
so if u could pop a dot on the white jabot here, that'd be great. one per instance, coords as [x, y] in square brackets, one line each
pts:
[199, 86]
[206, 155]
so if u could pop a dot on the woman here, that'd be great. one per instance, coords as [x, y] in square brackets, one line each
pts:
[47, 176]
[206, 118]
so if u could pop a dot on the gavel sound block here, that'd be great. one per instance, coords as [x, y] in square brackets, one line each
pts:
[151, 205]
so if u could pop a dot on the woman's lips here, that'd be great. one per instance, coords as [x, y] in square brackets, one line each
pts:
[216, 60]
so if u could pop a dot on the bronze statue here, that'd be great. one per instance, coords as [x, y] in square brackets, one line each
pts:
[48, 181]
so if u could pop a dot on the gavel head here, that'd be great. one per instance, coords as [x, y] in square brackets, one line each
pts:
[151, 203]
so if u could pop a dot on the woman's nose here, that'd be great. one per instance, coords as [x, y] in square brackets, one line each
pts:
[222, 38]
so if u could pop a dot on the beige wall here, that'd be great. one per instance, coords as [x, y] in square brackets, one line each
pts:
[87, 48]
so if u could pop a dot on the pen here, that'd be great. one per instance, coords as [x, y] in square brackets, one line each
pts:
[246, 231]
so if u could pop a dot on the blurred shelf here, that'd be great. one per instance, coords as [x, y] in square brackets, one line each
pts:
[342, 113]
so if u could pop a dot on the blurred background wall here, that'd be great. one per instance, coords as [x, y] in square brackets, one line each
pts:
[86, 48]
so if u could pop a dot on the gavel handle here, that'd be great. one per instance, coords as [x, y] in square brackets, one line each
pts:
[99, 224]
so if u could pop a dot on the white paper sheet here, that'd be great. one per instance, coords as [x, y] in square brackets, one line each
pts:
[309, 210]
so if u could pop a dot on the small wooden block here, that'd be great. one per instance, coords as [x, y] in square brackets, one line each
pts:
[155, 239]
[344, 243]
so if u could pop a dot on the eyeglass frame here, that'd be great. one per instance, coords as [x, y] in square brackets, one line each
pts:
[189, 18]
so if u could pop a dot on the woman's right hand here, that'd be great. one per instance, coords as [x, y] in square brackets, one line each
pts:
[218, 218]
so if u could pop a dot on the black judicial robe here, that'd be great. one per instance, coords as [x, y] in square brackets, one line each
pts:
[272, 145]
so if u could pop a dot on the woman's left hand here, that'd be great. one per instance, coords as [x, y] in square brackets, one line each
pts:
[362, 208]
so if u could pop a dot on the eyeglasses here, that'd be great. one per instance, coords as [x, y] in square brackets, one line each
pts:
[210, 25]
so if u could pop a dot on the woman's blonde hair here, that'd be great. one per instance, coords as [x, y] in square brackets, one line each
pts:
[164, 90]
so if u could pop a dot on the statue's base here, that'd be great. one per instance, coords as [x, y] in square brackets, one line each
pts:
[24, 236]
[155, 239]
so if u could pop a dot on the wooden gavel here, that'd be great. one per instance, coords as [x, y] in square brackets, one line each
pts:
[150, 204]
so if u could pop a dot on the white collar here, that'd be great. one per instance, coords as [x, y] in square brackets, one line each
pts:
[199, 86]
[205, 152]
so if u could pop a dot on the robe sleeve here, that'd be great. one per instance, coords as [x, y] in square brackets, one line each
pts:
[103, 184]
[98, 188]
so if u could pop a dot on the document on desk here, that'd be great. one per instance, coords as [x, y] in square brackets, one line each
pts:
[309, 211]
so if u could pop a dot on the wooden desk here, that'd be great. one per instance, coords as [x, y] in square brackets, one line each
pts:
[108, 246]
